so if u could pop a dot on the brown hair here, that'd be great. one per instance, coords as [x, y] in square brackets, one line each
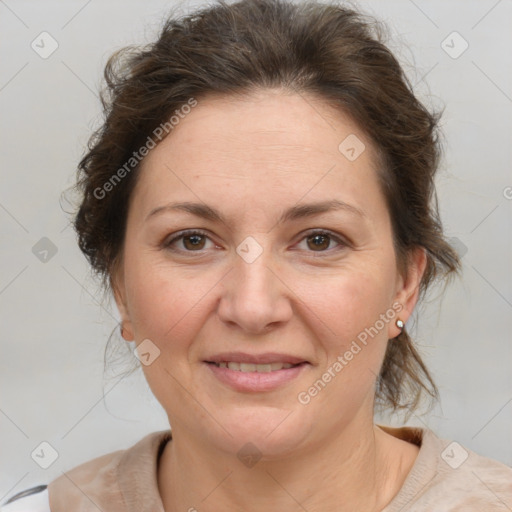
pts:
[323, 49]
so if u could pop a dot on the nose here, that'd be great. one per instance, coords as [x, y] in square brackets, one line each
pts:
[255, 296]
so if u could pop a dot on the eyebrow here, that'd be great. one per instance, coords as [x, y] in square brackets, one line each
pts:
[294, 213]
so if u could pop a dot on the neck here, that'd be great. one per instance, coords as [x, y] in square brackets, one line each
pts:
[361, 469]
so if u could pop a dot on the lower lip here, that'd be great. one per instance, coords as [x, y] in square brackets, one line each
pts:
[256, 381]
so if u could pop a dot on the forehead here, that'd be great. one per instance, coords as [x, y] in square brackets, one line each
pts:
[279, 120]
[265, 147]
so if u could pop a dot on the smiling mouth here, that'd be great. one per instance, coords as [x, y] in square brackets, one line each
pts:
[251, 367]
[246, 373]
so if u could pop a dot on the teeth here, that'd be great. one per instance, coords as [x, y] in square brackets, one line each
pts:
[250, 367]
[279, 366]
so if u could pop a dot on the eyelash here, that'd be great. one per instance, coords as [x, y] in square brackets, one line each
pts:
[190, 232]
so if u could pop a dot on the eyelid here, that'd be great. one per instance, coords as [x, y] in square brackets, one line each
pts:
[181, 234]
[340, 240]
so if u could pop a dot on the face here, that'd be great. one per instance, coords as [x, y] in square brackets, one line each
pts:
[265, 303]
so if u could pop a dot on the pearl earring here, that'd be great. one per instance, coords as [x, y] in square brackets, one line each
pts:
[400, 324]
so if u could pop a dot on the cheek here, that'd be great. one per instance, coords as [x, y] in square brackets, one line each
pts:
[350, 302]
[164, 308]
[153, 295]
[356, 338]
[168, 303]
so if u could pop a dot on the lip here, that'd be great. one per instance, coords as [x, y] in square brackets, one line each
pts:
[255, 382]
[266, 358]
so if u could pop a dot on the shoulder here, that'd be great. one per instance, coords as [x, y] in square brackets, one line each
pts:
[450, 477]
[102, 483]
[113, 481]
[34, 499]
[89, 479]
[475, 482]
[67, 491]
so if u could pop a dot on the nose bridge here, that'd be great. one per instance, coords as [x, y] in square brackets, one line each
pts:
[252, 272]
[253, 297]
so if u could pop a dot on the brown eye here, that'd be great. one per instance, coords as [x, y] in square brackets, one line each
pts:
[322, 241]
[319, 241]
[188, 241]
[193, 242]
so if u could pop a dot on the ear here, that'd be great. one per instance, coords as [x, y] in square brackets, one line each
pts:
[119, 291]
[408, 287]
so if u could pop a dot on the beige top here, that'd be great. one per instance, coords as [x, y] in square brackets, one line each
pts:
[444, 478]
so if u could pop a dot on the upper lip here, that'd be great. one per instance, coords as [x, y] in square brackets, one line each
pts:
[266, 358]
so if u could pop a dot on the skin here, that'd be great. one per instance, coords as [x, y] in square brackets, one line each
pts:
[251, 158]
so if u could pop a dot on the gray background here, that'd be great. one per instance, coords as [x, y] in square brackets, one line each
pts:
[54, 325]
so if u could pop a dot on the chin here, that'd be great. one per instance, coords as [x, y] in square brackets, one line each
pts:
[270, 432]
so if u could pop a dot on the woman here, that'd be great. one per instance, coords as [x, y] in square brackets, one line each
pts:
[259, 201]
